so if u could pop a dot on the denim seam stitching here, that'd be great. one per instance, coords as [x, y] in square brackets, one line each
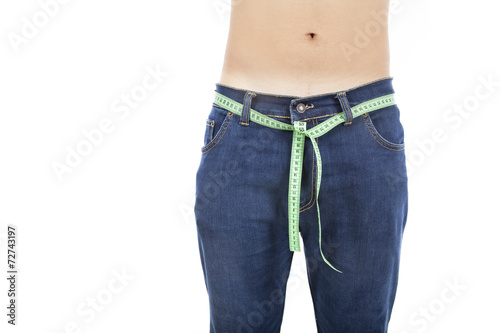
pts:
[243, 113]
[272, 115]
[326, 115]
[247, 106]
[210, 124]
[380, 140]
[224, 127]
[305, 97]
[346, 108]
[369, 122]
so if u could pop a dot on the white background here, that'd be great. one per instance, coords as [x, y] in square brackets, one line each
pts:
[127, 206]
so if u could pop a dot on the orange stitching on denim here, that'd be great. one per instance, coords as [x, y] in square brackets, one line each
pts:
[224, 126]
[272, 115]
[326, 115]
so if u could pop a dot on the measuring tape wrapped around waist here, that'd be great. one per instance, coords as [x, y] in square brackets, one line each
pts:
[300, 132]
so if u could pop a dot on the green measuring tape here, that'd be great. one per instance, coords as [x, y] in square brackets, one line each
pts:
[300, 132]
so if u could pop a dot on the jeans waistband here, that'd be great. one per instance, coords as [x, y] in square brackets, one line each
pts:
[285, 107]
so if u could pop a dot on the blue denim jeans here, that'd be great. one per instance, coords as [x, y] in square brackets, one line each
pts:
[241, 211]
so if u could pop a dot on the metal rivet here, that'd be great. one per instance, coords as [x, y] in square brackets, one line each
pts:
[301, 107]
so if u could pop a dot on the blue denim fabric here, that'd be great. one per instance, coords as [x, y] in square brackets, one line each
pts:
[241, 212]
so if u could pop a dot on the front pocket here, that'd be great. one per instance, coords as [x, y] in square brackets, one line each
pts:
[216, 126]
[385, 127]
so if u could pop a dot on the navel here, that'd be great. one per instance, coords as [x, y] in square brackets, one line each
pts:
[311, 35]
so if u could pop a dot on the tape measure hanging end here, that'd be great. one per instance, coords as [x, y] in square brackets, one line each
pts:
[296, 162]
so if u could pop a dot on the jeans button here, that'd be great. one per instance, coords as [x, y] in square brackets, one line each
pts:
[301, 107]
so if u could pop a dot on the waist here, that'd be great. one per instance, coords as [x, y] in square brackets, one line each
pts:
[289, 108]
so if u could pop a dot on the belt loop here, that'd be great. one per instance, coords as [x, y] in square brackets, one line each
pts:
[247, 103]
[345, 107]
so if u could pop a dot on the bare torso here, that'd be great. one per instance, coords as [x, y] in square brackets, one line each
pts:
[306, 47]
